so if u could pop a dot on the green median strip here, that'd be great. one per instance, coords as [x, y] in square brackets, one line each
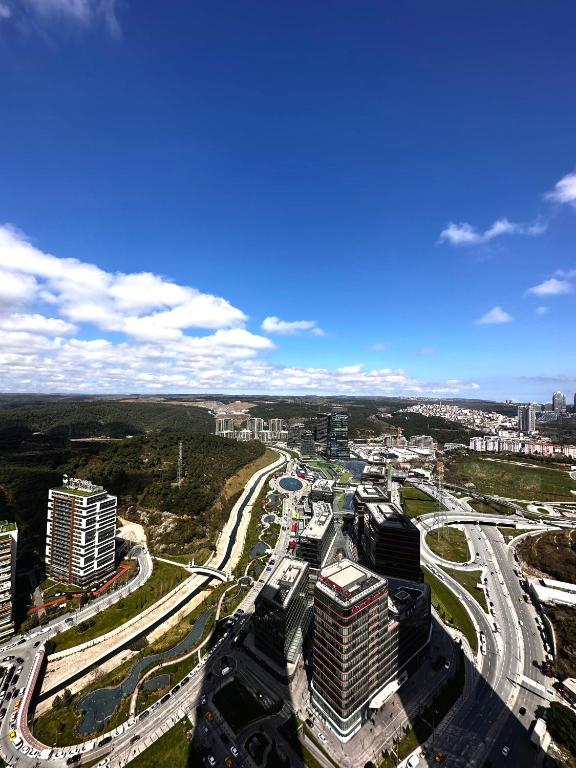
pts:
[451, 609]
[468, 580]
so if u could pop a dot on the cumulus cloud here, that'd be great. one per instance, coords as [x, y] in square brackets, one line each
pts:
[495, 316]
[155, 336]
[465, 234]
[273, 324]
[551, 287]
[564, 190]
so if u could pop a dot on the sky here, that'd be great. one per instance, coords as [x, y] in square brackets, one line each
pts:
[238, 196]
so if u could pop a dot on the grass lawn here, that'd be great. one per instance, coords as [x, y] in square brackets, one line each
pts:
[490, 507]
[345, 477]
[416, 502]
[449, 543]
[511, 480]
[237, 705]
[451, 609]
[163, 579]
[552, 552]
[469, 579]
[170, 749]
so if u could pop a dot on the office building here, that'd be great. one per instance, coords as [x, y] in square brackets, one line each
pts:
[81, 533]
[8, 544]
[366, 494]
[295, 432]
[307, 446]
[331, 432]
[369, 634]
[338, 435]
[559, 402]
[391, 542]
[316, 539]
[527, 418]
[322, 490]
[351, 644]
[281, 611]
[224, 424]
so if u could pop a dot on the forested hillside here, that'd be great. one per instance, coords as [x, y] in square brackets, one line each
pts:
[78, 418]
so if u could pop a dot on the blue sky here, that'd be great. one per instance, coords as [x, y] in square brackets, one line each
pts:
[364, 198]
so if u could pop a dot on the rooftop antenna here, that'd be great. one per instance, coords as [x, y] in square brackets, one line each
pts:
[179, 471]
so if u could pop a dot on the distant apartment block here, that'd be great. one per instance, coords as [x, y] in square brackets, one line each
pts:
[81, 533]
[559, 402]
[307, 445]
[281, 612]
[331, 432]
[255, 425]
[527, 418]
[8, 545]
[422, 441]
[526, 446]
[224, 424]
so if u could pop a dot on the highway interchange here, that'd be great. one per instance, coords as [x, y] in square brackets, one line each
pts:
[486, 721]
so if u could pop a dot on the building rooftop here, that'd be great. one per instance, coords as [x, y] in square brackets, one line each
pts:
[280, 586]
[368, 492]
[321, 520]
[348, 581]
[389, 516]
[570, 684]
[323, 485]
[78, 487]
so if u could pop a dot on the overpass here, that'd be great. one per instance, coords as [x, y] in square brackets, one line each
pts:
[206, 571]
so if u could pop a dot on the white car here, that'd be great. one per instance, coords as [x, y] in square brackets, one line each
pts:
[211, 760]
[413, 761]
[506, 751]
[234, 751]
[104, 763]
[322, 737]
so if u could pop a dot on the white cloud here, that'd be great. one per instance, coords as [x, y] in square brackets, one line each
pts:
[551, 287]
[465, 234]
[424, 352]
[541, 311]
[564, 191]
[166, 337]
[5, 11]
[81, 12]
[273, 324]
[380, 346]
[495, 316]
[46, 326]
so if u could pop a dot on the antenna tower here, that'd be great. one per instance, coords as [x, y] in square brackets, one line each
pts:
[440, 512]
[179, 471]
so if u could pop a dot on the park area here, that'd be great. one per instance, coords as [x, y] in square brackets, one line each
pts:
[511, 479]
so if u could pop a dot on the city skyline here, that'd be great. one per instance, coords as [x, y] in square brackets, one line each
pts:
[287, 202]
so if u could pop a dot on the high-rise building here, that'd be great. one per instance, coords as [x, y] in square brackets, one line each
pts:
[295, 432]
[307, 446]
[369, 633]
[224, 424]
[527, 418]
[8, 543]
[281, 611]
[559, 402]
[338, 435]
[366, 494]
[331, 431]
[81, 533]
[391, 542]
[255, 425]
[351, 644]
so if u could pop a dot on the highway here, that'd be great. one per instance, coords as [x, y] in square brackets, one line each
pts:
[487, 722]
[30, 648]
